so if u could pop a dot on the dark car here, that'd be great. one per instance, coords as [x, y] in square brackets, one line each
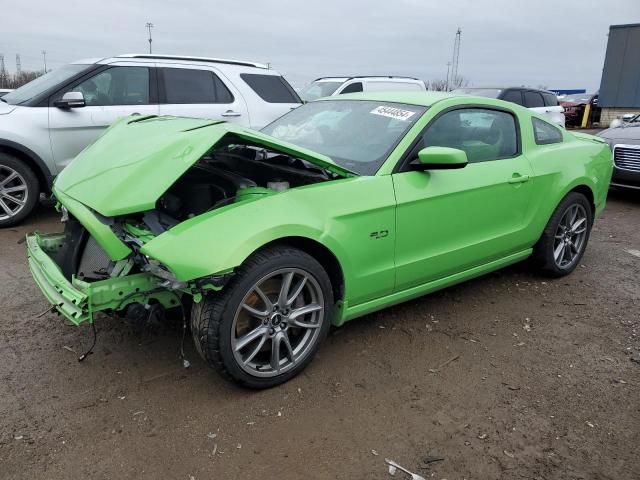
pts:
[624, 141]
[540, 101]
[575, 106]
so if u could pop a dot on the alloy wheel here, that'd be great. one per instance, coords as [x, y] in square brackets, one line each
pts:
[570, 236]
[277, 323]
[13, 192]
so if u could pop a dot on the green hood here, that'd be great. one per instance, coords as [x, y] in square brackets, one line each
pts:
[137, 160]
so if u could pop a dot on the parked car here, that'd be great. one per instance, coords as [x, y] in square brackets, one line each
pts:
[4, 91]
[330, 86]
[540, 101]
[47, 122]
[339, 208]
[574, 107]
[624, 141]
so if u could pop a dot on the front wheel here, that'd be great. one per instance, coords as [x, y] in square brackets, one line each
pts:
[267, 324]
[19, 190]
[565, 237]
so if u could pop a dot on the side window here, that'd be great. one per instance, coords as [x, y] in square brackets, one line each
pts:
[513, 96]
[116, 86]
[533, 99]
[352, 88]
[188, 86]
[483, 134]
[550, 100]
[545, 133]
[271, 88]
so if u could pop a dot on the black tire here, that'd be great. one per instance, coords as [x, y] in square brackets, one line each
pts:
[212, 319]
[32, 193]
[543, 257]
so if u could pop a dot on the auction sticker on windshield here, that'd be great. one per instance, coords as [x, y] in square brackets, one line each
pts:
[391, 112]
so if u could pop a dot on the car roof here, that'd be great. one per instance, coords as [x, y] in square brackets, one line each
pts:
[163, 58]
[392, 78]
[425, 99]
[506, 88]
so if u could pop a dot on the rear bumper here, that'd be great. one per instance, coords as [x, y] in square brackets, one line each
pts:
[77, 300]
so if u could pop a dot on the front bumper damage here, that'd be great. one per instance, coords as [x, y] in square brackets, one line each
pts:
[78, 300]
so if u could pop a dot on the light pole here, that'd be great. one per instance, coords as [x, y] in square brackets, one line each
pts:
[149, 26]
[44, 59]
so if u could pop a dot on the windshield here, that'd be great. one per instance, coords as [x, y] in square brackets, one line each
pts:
[357, 135]
[577, 98]
[318, 90]
[483, 92]
[43, 83]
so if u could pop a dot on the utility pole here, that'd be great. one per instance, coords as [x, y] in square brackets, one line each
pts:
[448, 67]
[149, 26]
[44, 59]
[456, 58]
[18, 65]
[3, 72]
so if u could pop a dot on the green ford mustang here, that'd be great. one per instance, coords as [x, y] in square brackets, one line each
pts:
[341, 207]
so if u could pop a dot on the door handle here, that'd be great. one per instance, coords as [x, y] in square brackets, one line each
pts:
[517, 178]
[231, 113]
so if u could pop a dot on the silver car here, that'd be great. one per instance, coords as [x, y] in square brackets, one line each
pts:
[624, 141]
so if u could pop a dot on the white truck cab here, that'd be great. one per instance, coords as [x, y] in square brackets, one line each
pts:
[329, 86]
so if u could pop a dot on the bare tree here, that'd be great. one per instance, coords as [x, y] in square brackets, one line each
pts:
[15, 80]
[441, 85]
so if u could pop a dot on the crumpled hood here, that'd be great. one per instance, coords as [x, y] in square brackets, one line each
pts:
[138, 159]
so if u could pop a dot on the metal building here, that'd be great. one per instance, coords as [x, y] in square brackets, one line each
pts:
[620, 84]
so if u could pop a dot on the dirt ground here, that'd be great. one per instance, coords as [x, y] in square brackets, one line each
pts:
[507, 376]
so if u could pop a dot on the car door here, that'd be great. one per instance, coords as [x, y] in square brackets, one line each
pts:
[449, 221]
[117, 91]
[200, 92]
[553, 110]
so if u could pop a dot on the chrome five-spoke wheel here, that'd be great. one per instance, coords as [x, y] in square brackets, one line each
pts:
[13, 192]
[267, 323]
[277, 322]
[570, 236]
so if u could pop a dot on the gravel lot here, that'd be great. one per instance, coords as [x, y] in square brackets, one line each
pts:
[507, 376]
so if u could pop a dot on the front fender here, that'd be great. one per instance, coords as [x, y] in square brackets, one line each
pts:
[218, 241]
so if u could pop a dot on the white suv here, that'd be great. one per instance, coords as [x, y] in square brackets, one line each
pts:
[540, 101]
[47, 122]
[329, 86]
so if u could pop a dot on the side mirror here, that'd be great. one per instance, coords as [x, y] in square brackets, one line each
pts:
[71, 100]
[440, 158]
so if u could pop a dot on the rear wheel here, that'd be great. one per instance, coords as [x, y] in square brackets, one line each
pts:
[19, 190]
[267, 324]
[565, 238]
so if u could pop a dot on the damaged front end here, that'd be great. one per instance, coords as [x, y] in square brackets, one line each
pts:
[136, 188]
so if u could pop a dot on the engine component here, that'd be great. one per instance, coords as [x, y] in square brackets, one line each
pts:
[278, 186]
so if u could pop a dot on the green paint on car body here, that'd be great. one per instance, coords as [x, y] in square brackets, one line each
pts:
[440, 226]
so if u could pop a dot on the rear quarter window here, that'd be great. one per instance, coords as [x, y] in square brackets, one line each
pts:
[545, 133]
[271, 88]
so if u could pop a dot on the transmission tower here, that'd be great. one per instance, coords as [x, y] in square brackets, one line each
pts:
[18, 65]
[3, 72]
[456, 58]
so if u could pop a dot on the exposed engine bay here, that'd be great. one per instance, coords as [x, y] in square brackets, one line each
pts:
[235, 172]
[229, 173]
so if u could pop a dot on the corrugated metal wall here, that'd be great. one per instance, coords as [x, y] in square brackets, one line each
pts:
[620, 85]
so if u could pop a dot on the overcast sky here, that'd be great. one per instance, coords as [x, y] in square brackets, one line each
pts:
[555, 43]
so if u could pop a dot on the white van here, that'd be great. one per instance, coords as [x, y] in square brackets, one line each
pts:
[329, 86]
